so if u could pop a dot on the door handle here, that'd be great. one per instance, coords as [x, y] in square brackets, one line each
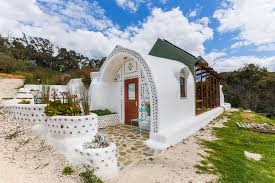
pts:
[136, 103]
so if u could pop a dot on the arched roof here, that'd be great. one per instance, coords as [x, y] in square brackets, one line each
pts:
[160, 73]
[165, 71]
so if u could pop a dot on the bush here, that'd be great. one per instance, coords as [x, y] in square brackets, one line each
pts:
[67, 170]
[101, 112]
[24, 102]
[89, 177]
[56, 108]
[86, 80]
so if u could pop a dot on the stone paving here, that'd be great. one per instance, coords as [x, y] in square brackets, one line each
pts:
[130, 144]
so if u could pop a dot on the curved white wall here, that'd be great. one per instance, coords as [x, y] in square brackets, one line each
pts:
[172, 109]
[102, 160]
[30, 114]
[172, 117]
[68, 134]
[71, 126]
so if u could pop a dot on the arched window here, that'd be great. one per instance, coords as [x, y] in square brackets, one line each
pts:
[184, 73]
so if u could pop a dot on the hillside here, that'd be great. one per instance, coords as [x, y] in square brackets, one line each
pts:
[250, 87]
[42, 62]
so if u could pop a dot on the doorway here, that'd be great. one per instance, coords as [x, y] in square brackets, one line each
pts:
[131, 100]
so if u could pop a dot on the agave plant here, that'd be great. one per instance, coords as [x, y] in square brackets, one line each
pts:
[99, 141]
[56, 108]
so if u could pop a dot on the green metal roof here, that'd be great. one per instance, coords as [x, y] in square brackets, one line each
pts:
[165, 49]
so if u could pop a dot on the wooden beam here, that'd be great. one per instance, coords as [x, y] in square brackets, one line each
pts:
[206, 89]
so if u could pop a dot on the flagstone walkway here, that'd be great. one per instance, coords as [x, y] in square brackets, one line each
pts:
[130, 144]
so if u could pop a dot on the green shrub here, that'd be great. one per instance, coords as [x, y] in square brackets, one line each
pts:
[86, 80]
[89, 177]
[102, 112]
[67, 170]
[85, 102]
[56, 108]
[148, 108]
[24, 102]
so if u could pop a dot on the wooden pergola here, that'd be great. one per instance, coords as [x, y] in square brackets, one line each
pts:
[207, 87]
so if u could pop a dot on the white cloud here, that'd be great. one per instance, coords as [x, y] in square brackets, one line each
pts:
[78, 14]
[133, 5]
[173, 26]
[193, 13]
[204, 21]
[18, 16]
[212, 57]
[253, 18]
[266, 47]
[225, 64]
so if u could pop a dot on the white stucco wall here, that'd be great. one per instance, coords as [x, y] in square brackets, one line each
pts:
[173, 117]
[105, 95]
[221, 96]
[172, 109]
[76, 87]
[108, 90]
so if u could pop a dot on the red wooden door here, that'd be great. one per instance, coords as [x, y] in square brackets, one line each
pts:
[131, 100]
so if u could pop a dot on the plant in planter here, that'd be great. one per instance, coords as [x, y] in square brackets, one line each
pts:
[64, 96]
[85, 77]
[147, 108]
[54, 94]
[99, 141]
[24, 102]
[85, 102]
[45, 94]
[56, 108]
[103, 112]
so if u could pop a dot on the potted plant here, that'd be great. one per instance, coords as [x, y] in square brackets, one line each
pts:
[148, 111]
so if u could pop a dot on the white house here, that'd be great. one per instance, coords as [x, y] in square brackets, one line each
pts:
[179, 91]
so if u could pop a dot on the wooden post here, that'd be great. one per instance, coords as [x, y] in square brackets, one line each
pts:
[219, 102]
[206, 89]
[211, 92]
[201, 92]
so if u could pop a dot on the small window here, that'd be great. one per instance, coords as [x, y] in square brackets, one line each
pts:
[182, 87]
[131, 91]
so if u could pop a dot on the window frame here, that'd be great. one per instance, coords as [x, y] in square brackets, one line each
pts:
[184, 87]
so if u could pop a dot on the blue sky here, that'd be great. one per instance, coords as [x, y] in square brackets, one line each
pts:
[227, 33]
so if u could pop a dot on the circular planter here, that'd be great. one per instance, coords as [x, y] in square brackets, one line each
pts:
[108, 120]
[72, 125]
[102, 160]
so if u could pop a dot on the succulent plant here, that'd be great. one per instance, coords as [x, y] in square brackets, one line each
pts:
[99, 141]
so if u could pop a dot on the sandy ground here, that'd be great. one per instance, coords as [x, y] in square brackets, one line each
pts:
[175, 165]
[8, 87]
[27, 158]
[24, 157]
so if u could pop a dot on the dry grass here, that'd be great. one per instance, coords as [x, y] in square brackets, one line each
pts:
[248, 116]
[11, 76]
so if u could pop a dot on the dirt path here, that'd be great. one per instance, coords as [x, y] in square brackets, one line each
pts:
[8, 87]
[24, 157]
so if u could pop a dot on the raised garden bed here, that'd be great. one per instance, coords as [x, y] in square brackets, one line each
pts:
[102, 160]
[108, 120]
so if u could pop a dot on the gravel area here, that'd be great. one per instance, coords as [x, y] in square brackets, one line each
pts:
[25, 157]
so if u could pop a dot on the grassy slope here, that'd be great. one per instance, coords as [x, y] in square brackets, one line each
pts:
[31, 72]
[227, 153]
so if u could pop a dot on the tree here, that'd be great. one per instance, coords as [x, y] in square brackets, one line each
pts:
[250, 87]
